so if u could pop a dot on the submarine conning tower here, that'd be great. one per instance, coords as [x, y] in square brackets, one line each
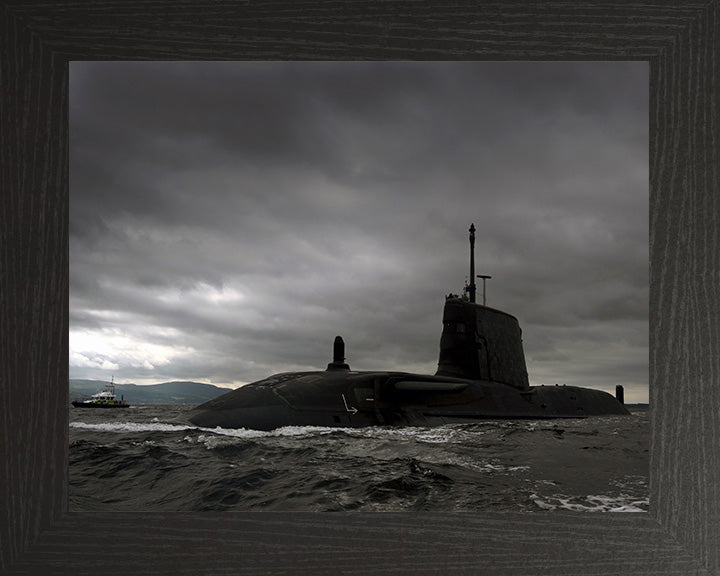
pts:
[479, 342]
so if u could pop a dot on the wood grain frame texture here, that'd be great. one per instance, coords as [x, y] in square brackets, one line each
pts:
[681, 533]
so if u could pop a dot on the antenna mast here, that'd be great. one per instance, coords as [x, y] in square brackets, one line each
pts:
[484, 278]
[471, 288]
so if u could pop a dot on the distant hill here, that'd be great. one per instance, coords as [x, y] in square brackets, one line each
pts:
[165, 393]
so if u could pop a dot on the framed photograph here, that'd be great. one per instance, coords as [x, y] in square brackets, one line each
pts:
[232, 218]
[676, 533]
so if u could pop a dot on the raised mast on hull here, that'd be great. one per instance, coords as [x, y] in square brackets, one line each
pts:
[471, 287]
[484, 277]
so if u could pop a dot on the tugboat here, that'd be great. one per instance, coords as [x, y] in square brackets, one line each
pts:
[481, 375]
[103, 399]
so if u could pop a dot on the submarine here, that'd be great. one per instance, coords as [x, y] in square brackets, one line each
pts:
[481, 375]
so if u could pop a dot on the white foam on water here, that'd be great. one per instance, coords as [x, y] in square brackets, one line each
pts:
[484, 466]
[157, 426]
[218, 437]
[431, 435]
[278, 432]
[490, 467]
[448, 434]
[131, 427]
[211, 441]
[592, 503]
[439, 435]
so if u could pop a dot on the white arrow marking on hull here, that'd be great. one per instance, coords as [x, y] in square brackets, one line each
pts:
[352, 409]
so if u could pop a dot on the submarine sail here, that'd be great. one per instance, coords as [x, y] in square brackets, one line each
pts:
[481, 343]
[481, 374]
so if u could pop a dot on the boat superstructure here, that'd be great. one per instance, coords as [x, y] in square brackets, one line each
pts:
[104, 398]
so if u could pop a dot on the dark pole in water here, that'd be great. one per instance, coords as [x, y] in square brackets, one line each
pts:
[471, 288]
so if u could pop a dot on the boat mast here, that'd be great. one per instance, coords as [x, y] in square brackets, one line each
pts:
[471, 288]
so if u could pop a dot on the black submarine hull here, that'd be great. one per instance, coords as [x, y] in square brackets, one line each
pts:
[481, 375]
[360, 399]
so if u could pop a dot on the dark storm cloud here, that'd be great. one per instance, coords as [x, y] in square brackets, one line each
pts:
[346, 120]
[251, 211]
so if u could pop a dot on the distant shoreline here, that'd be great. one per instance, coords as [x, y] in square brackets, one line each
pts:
[151, 394]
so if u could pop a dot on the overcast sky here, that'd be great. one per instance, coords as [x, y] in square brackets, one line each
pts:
[228, 220]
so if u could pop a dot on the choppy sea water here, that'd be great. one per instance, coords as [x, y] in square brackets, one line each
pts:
[151, 458]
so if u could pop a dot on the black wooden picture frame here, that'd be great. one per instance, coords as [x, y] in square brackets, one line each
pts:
[681, 533]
